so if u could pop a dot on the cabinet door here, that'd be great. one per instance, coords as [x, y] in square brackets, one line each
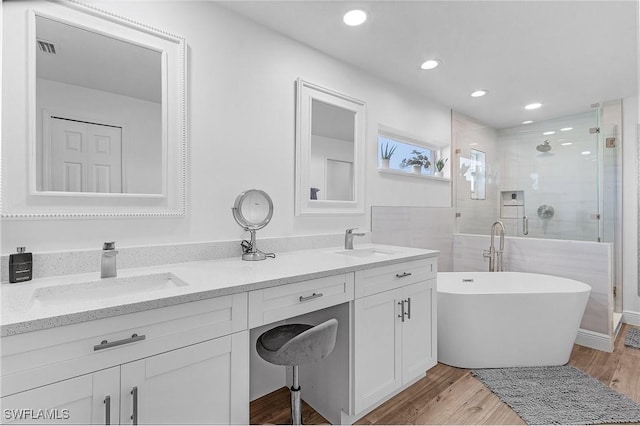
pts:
[81, 400]
[377, 348]
[418, 339]
[206, 383]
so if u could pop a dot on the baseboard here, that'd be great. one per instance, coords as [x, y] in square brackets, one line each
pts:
[593, 340]
[631, 317]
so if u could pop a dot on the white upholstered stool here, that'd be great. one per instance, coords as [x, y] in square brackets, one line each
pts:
[295, 345]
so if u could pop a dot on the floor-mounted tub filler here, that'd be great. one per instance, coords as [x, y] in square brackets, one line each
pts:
[507, 319]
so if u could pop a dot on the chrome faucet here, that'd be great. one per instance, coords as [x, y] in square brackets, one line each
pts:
[108, 265]
[495, 256]
[348, 238]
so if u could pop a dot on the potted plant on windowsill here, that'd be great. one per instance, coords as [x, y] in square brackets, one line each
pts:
[439, 166]
[418, 161]
[386, 154]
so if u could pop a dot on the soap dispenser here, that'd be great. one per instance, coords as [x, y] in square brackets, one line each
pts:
[20, 266]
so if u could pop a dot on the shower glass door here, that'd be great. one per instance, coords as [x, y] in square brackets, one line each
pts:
[557, 173]
[542, 180]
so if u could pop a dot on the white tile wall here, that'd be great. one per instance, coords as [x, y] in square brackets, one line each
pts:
[421, 227]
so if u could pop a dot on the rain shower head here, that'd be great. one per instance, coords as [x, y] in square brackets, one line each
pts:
[544, 147]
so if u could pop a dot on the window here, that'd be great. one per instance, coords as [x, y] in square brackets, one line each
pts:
[404, 155]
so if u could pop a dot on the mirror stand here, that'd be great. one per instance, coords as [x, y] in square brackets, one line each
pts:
[252, 252]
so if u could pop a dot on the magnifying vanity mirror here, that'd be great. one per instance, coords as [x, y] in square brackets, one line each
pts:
[106, 123]
[329, 151]
[253, 210]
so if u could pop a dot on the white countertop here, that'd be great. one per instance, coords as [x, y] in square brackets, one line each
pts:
[21, 313]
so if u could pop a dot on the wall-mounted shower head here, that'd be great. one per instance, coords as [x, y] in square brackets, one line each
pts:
[544, 147]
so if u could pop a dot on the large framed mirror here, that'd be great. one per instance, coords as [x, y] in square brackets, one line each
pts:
[330, 134]
[106, 117]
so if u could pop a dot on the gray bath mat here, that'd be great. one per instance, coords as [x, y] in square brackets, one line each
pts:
[558, 395]
[633, 337]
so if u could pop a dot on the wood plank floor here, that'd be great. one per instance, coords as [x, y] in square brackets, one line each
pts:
[449, 395]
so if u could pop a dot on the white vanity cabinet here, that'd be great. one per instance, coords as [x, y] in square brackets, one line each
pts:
[88, 399]
[199, 384]
[394, 329]
[191, 367]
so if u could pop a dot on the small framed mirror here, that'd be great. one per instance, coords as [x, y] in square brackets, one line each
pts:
[253, 210]
[475, 173]
[330, 132]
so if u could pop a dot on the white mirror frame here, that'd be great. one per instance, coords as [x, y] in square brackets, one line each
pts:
[306, 92]
[21, 200]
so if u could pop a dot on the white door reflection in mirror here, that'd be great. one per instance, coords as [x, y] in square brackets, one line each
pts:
[82, 157]
[339, 180]
[329, 149]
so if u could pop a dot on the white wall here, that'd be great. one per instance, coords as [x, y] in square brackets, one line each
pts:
[630, 298]
[241, 105]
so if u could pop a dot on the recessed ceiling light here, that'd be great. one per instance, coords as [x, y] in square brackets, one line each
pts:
[535, 105]
[527, 122]
[355, 17]
[549, 133]
[479, 93]
[430, 64]
[566, 143]
[585, 152]
[566, 129]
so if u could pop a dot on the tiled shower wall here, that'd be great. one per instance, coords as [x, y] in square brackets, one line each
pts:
[420, 227]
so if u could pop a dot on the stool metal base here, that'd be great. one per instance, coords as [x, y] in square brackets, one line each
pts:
[296, 406]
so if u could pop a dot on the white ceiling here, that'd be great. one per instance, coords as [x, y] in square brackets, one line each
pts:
[564, 54]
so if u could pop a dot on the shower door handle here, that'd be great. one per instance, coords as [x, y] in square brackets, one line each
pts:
[525, 225]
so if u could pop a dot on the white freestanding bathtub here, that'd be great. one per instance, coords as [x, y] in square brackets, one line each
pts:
[507, 319]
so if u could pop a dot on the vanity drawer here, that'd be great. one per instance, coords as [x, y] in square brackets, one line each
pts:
[46, 356]
[383, 278]
[290, 300]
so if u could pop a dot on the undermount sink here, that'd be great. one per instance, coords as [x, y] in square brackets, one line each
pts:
[365, 252]
[104, 289]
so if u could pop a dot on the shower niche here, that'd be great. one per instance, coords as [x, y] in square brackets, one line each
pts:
[511, 204]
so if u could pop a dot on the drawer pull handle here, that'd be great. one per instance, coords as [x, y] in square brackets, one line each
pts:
[313, 296]
[106, 344]
[402, 275]
[107, 410]
[402, 312]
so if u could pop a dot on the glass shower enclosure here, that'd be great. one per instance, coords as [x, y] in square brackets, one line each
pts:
[542, 180]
